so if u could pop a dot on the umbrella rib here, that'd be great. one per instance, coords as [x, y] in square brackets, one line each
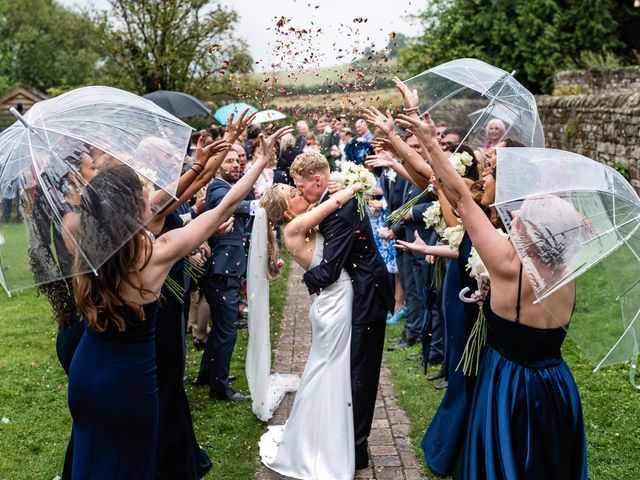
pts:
[626, 330]
[116, 156]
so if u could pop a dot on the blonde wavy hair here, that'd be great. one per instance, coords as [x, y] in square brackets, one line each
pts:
[275, 205]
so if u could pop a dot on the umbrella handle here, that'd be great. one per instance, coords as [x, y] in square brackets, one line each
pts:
[463, 296]
[19, 116]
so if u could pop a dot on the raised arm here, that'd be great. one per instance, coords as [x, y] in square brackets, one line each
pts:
[418, 169]
[490, 245]
[303, 223]
[178, 243]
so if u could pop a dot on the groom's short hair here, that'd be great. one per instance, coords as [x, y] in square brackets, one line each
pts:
[309, 163]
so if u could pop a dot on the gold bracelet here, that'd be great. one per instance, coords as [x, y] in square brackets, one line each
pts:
[411, 110]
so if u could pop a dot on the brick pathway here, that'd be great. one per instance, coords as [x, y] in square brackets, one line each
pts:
[390, 453]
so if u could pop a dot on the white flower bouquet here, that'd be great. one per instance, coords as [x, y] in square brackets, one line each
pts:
[350, 174]
[461, 161]
[433, 218]
[453, 236]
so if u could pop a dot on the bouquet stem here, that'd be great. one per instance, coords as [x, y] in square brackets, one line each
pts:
[470, 359]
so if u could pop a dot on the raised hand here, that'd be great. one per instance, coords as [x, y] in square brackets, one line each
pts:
[224, 228]
[417, 245]
[267, 144]
[409, 97]
[203, 154]
[384, 144]
[233, 129]
[382, 160]
[423, 128]
[384, 123]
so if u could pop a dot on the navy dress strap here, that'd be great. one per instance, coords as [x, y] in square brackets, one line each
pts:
[519, 293]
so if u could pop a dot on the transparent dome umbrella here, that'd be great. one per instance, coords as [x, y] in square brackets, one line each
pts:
[469, 94]
[570, 218]
[47, 161]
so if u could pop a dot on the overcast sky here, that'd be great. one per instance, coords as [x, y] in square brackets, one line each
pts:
[334, 18]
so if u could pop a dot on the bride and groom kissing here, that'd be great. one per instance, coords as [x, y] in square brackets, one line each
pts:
[326, 434]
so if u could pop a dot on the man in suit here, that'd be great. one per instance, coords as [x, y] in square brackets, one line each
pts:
[349, 244]
[221, 284]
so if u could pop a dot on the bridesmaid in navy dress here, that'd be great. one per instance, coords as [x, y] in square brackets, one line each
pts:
[526, 418]
[178, 454]
[113, 390]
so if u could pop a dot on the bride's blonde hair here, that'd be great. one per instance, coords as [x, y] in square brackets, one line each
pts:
[275, 204]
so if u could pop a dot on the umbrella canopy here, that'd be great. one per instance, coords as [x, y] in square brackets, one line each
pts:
[178, 104]
[469, 93]
[223, 113]
[268, 116]
[574, 215]
[48, 162]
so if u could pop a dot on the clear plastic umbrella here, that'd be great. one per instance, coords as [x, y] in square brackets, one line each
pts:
[47, 161]
[577, 218]
[469, 93]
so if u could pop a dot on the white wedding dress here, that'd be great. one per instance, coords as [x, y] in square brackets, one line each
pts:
[317, 440]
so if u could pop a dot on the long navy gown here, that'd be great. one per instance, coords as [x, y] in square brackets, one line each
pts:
[178, 454]
[113, 399]
[443, 441]
[526, 417]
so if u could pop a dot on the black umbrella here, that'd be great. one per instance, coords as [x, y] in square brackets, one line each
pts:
[181, 105]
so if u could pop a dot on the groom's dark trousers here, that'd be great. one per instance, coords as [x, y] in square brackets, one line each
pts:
[349, 244]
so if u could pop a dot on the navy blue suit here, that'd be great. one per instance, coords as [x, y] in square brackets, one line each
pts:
[221, 285]
[349, 244]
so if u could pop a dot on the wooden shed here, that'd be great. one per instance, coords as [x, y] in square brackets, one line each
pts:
[20, 97]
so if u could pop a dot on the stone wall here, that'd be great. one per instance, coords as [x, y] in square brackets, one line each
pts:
[605, 128]
[598, 82]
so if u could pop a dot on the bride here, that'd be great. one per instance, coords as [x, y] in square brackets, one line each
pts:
[317, 441]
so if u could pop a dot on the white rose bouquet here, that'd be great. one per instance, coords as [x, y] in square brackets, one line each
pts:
[461, 161]
[453, 236]
[433, 218]
[352, 174]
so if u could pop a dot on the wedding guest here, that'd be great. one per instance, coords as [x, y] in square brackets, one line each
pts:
[451, 136]
[112, 383]
[522, 365]
[362, 129]
[311, 143]
[495, 130]
[303, 130]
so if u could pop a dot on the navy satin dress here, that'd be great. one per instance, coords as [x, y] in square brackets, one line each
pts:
[443, 441]
[113, 399]
[526, 417]
[178, 454]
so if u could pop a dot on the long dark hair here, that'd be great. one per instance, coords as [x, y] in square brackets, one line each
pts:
[113, 206]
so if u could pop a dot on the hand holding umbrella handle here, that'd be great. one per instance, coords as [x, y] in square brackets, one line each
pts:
[463, 296]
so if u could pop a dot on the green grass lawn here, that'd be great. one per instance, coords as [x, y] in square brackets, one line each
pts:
[33, 397]
[611, 405]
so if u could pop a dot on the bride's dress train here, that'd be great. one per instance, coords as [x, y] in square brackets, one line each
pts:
[317, 440]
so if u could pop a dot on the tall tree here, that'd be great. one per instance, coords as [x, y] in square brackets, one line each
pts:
[534, 38]
[185, 45]
[45, 45]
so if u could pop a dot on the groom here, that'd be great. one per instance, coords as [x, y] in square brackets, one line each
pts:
[349, 244]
